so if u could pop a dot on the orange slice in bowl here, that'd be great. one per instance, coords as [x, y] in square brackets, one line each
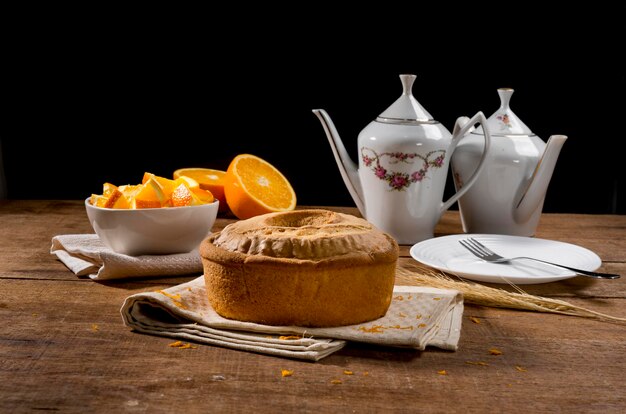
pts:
[111, 197]
[253, 186]
[187, 181]
[181, 196]
[150, 195]
[209, 179]
[202, 196]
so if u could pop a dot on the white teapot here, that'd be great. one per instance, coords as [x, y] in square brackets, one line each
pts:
[508, 196]
[403, 165]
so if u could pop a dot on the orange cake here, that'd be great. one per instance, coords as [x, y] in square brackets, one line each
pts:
[304, 268]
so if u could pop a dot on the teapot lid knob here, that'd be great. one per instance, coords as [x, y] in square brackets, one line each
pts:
[406, 109]
[505, 97]
[407, 84]
[504, 122]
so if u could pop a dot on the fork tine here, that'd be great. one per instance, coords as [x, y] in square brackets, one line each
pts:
[476, 252]
[478, 245]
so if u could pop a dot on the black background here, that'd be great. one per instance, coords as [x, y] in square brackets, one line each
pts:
[92, 100]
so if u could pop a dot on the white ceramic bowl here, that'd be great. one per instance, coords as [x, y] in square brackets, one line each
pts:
[153, 230]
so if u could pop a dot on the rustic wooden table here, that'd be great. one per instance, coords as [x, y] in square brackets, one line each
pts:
[63, 346]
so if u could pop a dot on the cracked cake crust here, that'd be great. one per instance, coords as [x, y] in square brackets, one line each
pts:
[304, 268]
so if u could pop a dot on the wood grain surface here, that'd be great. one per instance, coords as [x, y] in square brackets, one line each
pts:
[63, 346]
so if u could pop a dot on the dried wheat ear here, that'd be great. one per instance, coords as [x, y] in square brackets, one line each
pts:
[493, 297]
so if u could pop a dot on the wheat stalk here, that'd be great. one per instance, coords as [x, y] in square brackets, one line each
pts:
[487, 296]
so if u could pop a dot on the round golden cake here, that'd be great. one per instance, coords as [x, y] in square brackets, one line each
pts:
[304, 268]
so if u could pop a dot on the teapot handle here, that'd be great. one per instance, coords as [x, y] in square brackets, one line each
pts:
[460, 132]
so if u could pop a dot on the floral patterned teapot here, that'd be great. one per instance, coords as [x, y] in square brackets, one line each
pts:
[403, 165]
[508, 197]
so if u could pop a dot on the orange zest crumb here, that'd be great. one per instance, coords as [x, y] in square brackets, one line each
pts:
[442, 372]
[436, 298]
[175, 298]
[402, 328]
[289, 337]
[373, 329]
[483, 363]
[418, 316]
[381, 328]
[169, 295]
[520, 368]
[336, 381]
[286, 372]
[365, 373]
[182, 345]
[421, 325]
[399, 297]
[474, 319]
[348, 372]
[495, 351]
[188, 346]
[95, 327]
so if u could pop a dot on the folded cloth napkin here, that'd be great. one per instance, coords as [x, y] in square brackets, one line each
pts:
[418, 316]
[85, 254]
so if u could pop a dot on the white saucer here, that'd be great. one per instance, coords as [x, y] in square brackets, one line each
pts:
[446, 253]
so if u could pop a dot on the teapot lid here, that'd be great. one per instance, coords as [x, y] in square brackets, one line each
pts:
[406, 109]
[504, 121]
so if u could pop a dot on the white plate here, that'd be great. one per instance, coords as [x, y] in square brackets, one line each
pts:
[446, 253]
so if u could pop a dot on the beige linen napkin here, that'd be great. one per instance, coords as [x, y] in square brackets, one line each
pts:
[84, 254]
[418, 317]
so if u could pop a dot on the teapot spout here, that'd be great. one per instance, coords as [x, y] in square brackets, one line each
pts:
[538, 184]
[347, 167]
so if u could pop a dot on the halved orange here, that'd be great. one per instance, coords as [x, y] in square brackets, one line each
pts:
[253, 186]
[209, 179]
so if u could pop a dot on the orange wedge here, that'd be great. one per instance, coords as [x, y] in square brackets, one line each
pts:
[253, 187]
[184, 196]
[166, 185]
[202, 196]
[209, 179]
[181, 196]
[188, 181]
[129, 191]
[111, 197]
[150, 195]
[98, 200]
[116, 197]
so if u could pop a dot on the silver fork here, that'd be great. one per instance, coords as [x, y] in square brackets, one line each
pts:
[482, 252]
